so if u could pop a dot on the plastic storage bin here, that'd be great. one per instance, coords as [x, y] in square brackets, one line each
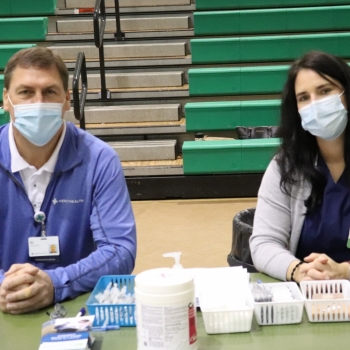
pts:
[275, 313]
[123, 315]
[326, 307]
[228, 321]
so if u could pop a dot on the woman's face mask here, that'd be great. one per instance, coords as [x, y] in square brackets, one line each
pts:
[38, 122]
[326, 118]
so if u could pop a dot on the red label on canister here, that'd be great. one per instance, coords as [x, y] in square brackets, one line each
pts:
[192, 323]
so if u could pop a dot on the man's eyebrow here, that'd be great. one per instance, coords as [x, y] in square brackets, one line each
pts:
[29, 87]
[22, 86]
[53, 86]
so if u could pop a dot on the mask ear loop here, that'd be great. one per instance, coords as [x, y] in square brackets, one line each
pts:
[8, 96]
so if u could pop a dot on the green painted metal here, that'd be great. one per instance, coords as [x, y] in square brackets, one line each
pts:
[5, 8]
[257, 154]
[237, 81]
[1, 85]
[27, 7]
[4, 117]
[279, 20]
[209, 116]
[210, 157]
[6, 51]
[245, 4]
[267, 48]
[228, 156]
[23, 29]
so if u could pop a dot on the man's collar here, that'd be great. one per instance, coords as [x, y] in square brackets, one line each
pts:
[18, 163]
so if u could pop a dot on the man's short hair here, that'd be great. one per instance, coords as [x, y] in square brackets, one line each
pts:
[38, 58]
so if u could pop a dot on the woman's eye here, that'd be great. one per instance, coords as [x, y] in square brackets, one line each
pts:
[326, 91]
[302, 99]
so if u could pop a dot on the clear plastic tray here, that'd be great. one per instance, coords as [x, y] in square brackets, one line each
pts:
[228, 321]
[322, 303]
[123, 315]
[276, 313]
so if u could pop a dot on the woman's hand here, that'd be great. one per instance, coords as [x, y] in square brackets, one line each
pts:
[322, 267]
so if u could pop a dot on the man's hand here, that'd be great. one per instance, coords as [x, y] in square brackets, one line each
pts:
[322, 267]
[25, 288]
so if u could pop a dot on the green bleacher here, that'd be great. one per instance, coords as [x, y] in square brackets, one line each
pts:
[208, 116]
[267, 48]
[18, 31]
[246, 4]
[23, 29]
[27, 7]
[227, 156]
[6, 51]
[4, 117]
[249, 32]
[279, 20]
[237, 80]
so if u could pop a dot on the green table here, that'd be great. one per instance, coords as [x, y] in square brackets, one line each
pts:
[23, 333]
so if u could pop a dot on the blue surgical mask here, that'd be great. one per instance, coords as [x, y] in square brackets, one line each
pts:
[326, 118]
[38, 122]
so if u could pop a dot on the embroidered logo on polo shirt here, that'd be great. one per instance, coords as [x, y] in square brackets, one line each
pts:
[67, 201]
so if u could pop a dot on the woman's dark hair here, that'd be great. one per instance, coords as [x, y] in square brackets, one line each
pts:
[298, 152]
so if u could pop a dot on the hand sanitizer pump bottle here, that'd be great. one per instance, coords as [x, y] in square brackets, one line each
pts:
[166, 309]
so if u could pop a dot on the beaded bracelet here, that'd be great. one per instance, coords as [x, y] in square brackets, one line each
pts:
[295, 267]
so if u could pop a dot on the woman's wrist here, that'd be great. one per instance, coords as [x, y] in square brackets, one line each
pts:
[345, 274]
[293, 271]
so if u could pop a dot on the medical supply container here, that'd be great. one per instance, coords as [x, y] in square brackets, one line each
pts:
[166, 311]
[327, 301]
[279, 310]
[109, 313]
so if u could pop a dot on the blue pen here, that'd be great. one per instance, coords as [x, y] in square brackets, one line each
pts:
[82, 312]
[104, 328]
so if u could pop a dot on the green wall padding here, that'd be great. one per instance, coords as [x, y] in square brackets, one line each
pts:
[27, 7]
[228, 156]
[267, 48]
[237, 81]
[322, 18]
[245, 4]
[23, 29]
[6, 51]
[209, 116]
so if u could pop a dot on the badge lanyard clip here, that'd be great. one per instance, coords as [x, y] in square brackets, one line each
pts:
[40, 217]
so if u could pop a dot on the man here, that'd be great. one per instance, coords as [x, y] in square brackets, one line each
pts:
[59, 186]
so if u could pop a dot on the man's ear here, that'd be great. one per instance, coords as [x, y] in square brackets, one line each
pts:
[5, 100]
[67, 101]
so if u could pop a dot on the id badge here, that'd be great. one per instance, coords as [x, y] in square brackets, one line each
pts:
[44, 249]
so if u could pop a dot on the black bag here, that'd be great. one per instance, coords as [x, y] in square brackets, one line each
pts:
[258, 132]
[242, 230]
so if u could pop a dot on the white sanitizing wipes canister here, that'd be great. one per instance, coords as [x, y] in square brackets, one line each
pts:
[166, 309]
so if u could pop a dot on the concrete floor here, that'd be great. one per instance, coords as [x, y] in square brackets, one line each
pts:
[200, 229]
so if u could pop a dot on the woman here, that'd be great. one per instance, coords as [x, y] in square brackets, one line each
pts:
[302, 219]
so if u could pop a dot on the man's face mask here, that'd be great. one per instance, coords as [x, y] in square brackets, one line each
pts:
[326, 118]
[38, 122]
